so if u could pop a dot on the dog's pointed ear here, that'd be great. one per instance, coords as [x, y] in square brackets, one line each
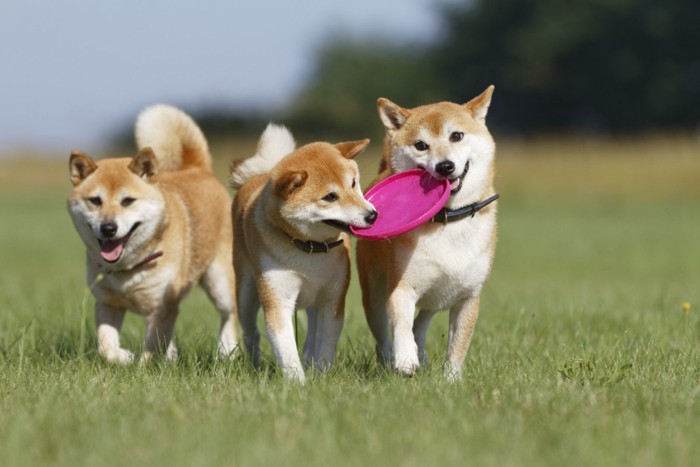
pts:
[80, 167]
[350, 149]
[145, 165]
[479, 106]
[393, 116]
[289, 182]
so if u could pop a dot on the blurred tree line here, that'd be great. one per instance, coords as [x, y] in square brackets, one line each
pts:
[605, 66]
[609, 66]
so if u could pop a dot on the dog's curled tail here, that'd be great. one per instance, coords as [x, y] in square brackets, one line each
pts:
[173, 135]
[275, 143]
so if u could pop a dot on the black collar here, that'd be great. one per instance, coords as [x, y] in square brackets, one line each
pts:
[310, 246]
[451, 215]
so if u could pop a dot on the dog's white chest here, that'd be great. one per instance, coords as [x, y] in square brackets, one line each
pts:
[450, 263]
[138, 291]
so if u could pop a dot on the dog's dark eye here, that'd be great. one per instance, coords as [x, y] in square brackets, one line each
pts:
[354, 182]
[126, 202]
[330, 197]
[421, 145]
[456, 136]
[95, 200]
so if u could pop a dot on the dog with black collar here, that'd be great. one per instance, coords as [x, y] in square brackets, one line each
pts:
[291, 248]
[442, 264]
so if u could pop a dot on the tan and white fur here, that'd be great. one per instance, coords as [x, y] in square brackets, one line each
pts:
[285, 194]
[435, 266]
[154, 225]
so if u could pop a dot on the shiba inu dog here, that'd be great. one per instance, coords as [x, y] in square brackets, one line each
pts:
[290, 247]
[442, 264]
[154, 225]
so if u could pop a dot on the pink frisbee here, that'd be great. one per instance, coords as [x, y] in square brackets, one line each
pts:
[403, 202]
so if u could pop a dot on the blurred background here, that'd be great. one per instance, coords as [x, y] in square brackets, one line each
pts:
[75, 73]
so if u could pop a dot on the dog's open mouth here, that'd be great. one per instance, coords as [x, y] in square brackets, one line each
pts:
[337, 224]
[456, 183]
[111, 249]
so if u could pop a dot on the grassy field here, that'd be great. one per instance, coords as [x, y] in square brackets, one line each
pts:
[587, 351]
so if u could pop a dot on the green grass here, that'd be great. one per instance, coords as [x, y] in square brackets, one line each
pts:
[583, 354]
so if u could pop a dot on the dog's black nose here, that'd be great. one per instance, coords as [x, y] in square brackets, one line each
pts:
[445, 168]
[108, 229]
[371, 217]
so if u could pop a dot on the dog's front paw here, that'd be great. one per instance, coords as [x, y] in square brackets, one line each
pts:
[226, 354]
[171, 354]
[119, 356]
[406, 356]
[146, 358]
[407, 366]
[228, 350]
[452, 373]
[294, 374]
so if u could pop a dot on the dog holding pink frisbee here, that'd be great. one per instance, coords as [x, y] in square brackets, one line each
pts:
[433, 242]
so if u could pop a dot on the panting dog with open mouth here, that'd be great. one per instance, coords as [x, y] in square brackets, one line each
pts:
[291, 250]
[441, 264]
[154, 225]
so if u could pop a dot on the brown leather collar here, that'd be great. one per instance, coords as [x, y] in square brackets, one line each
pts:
[310, 246]
[148, 259]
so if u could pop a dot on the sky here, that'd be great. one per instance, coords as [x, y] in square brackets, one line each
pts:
[73, 72]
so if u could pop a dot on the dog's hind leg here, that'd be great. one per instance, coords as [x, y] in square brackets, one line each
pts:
[160, 326]
[328, 329]
[420, 330]
[248, 305]
[109, 323]
[219, 283]
[462, 322]
[374, 303]
[307, 353]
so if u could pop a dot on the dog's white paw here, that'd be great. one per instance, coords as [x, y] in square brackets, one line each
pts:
[293, 374]
[228, 351]
[119, 356]
[406, 356]
[171, 354]
[146, 358]
[451, 373]
[407, 365]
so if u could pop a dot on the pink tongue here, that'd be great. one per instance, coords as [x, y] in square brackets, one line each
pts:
[454, 183]
[111, 250]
